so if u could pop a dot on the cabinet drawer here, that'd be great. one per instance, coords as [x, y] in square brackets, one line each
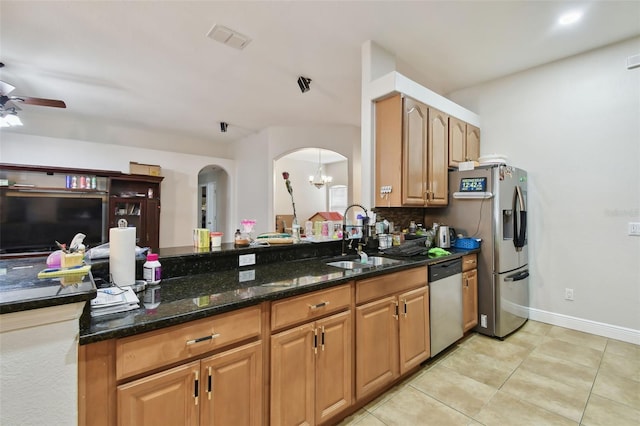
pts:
[385, 285]
[298, 309]
[469, 262]
[144, 352]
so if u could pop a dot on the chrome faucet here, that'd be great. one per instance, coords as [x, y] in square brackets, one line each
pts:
[364, 229]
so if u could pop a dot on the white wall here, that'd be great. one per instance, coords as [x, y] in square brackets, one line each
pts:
[178, 214]
[575, 126]
[279, 141]
[39, 366]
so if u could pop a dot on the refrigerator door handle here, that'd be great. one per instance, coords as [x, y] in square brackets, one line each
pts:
[517, 277]
[519, 232]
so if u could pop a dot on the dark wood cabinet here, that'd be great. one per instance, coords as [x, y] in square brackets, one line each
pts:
[134, 201]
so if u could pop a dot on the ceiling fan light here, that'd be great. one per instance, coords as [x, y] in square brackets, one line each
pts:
[13, 120]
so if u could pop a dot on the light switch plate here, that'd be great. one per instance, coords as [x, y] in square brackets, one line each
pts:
[249, 275]
[247, 259]
[634, 228]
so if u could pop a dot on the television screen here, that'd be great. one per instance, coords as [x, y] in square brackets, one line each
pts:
[34, 222]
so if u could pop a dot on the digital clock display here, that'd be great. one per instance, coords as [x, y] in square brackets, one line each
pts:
[475, 184]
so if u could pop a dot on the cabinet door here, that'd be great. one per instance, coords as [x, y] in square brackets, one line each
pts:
[438, 158]
[414, 153]
[388, 153]
[376, 345]
[457, 141]
[231, 387]
[414, 328]
[334, 374]
[292, 376]
[473, 143]
[470, 299]
[166, 398]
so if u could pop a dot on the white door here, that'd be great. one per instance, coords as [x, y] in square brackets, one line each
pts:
[207, 205]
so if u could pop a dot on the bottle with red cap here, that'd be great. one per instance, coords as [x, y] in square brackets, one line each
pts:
[152, 269]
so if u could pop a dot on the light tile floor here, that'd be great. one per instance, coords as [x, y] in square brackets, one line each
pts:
[540, 375]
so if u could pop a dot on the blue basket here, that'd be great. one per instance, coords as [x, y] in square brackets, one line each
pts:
[466, 243]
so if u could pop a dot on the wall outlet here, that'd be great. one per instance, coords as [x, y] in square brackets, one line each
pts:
[483, 321]
[248, 275]
[247, 259]
[634, 228]
[568, 294]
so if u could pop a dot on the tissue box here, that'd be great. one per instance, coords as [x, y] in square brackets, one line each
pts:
[68, 260]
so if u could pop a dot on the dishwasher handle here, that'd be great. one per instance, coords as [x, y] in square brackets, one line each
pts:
[445, 269]
[517, 277]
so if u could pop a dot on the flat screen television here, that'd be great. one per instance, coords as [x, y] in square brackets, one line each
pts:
[33, 222]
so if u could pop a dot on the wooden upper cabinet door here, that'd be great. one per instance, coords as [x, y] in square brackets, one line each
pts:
[473, 143]
[438, 156]
[232, 387]
[457, 141]
[414, 161]
[166, 398]
[388, 151]
[334, 365]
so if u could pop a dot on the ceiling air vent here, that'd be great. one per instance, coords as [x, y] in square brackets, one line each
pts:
[228, 36]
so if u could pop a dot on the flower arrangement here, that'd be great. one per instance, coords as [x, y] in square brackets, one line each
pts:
[287, 182]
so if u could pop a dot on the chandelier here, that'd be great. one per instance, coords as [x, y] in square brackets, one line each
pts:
[319, 180]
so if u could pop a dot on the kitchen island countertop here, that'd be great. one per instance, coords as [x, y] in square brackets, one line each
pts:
[181, 299]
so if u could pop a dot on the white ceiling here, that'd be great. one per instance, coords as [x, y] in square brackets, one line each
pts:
[149, 64]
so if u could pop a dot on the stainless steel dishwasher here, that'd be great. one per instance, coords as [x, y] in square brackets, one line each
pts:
[445, 304]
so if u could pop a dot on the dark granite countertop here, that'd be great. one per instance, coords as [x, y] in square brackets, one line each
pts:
[187, 298]
[21, 289]
[196, 284]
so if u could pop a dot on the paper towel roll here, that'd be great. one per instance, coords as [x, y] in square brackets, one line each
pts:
[122, 255]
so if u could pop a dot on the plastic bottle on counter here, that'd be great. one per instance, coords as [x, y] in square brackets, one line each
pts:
[152, 269]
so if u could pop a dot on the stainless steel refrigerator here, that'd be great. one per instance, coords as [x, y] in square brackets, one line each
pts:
[490, 203]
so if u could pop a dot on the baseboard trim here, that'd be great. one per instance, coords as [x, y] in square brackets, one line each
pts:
[601, 329]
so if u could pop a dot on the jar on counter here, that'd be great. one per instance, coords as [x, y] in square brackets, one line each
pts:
[152, 269]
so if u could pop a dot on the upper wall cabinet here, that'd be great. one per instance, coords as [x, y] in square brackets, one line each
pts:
[464, 142]
[411, 154]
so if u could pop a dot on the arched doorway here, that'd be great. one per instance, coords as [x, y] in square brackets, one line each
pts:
[302, 166]
[213, 195]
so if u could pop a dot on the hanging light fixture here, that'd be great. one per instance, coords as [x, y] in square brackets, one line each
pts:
[319, 180]
[9, 118]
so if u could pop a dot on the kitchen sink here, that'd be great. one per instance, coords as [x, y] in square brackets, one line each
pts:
[372, 262]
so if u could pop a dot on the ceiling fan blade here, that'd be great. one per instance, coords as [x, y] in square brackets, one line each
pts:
[42, 102]
[5, 88]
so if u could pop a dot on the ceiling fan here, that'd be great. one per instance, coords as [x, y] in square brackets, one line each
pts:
[9, 109]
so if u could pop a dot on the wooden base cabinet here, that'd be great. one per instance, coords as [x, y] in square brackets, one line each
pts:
[224, 389]
[469, 291]
[392, 330]
[163, 398]
[469, 299]
[311, 371]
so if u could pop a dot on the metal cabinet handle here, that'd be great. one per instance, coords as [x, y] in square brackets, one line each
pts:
[203, 339]
[318, 305]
